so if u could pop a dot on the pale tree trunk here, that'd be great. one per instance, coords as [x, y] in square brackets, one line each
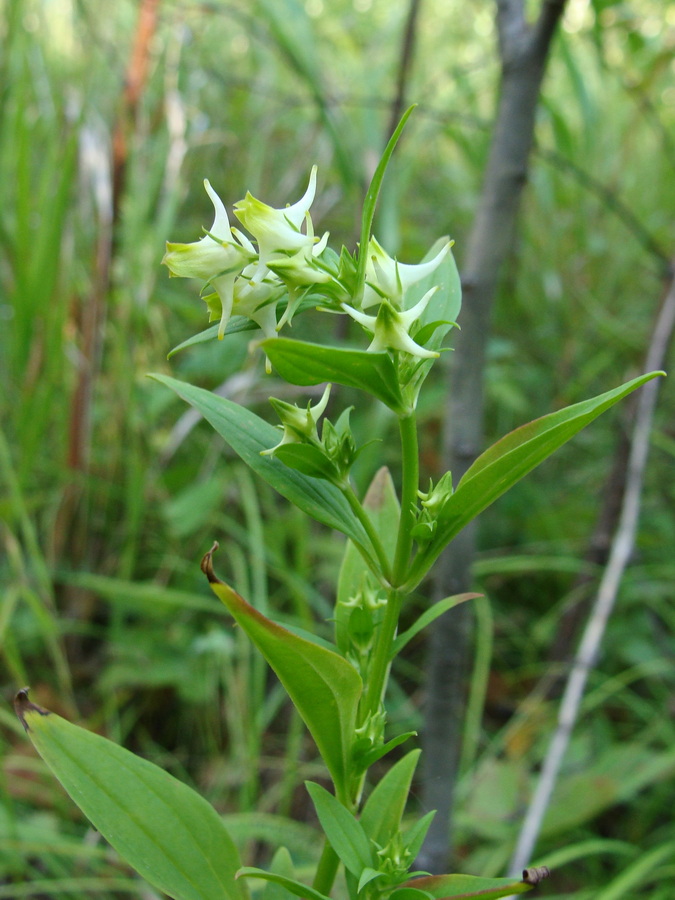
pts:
[524, 51]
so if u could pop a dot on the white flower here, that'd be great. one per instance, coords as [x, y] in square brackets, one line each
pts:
[390, 279]
[278, 231]
[257, 300]
[390, 327]
[217, 258]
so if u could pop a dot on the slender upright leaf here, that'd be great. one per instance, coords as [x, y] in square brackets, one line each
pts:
[345, 834]
[161, 827]
[382, 812]
[414, 836]
[370, 201]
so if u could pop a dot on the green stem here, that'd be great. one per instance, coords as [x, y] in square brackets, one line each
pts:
[326, 870]
[381, 659]
[378, 671]
[409, 488]
[379, 667]
[421, 565]
[365, 520]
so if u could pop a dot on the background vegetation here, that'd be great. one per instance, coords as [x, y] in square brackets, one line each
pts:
[111, 492]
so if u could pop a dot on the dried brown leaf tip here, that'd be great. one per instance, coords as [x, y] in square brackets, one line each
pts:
[207, 565]
[535, 874]
[22, 705]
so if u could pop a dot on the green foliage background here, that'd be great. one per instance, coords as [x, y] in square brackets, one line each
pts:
[108, 504]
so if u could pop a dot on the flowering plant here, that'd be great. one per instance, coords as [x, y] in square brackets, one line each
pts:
[170, 834]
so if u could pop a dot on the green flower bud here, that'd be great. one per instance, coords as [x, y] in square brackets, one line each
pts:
[361, 628]
[372, 729]
[433, 502]
[299, 425]
[339, 444]
[437, 495]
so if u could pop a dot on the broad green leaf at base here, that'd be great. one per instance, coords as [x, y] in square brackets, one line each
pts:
[160, 826]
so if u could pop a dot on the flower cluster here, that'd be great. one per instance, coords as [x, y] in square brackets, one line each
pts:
[285, 260]
[246, 281]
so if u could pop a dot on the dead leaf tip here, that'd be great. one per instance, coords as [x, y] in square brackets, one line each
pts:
[207, 565]
[22, 705]
[535, 874]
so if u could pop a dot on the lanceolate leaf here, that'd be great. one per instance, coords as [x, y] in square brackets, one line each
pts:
[344, 832]
[323, 686]
[415, 835]
[248, 435]
[302, 363]
[161, 827]
[370, 757]
[458, 887]
[307, 459]
[381, 816]
[428, 617]
[509, 460]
